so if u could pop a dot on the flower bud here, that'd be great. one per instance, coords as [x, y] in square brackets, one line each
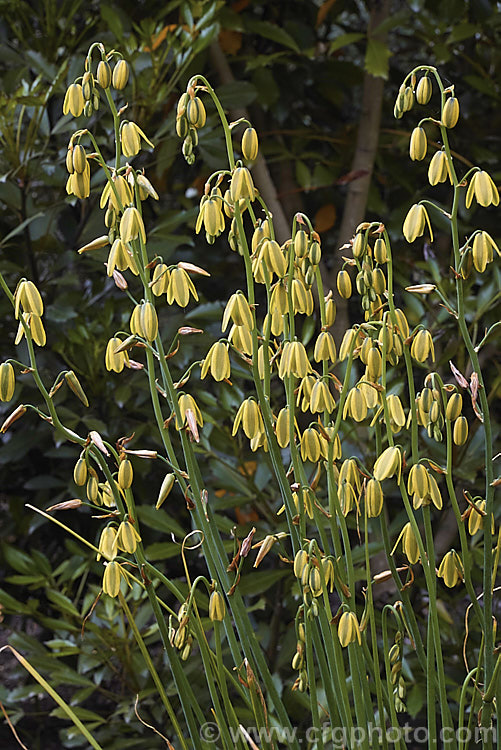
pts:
[418, 144]
[112, 578]
[344, 284]
[104, 74]
[250, 145]
[80, 472]
[120, 75]
[127, 537]
[7, 381]
[460, 431]
[125, 474]
[217, 607]
[348, 629]
[195, 112]
[424, 90]
[74, 100]
[450, 112]
[74, 385]
[167, 485]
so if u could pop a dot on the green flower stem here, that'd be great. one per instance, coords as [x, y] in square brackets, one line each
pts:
[334, 653]
[488, 442]
[153, 672]
[373, 631]
[327, 678]
[216, 556]
[310, 667]
[387, 610]
[221, 678]
[465, 552]
[264, 403]
[222, 116]
[116, 127]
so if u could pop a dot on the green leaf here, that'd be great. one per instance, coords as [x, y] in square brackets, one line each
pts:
[343, 40]
[160, 520]
[236, 94]
[271, 31]
[257, 582]
[462, 31]
[18, 560]
[377, 58]
[62, 602]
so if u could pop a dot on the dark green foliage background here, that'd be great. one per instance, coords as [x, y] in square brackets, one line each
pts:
[299, 68]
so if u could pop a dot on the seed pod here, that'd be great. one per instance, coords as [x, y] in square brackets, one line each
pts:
[348, 629]
[418, 144]
[195, 112]
[250, 144]
[112, 578]
[460, 431]
[125, 474]
[454, 406]
[103, 74]
[424, 90]
[80, 472]
[217, 607]
[120, 75]
[450, 112]
[74, 100]
[344, 284]
[7, 381]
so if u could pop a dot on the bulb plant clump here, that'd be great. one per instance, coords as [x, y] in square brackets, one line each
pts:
[305, 409]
